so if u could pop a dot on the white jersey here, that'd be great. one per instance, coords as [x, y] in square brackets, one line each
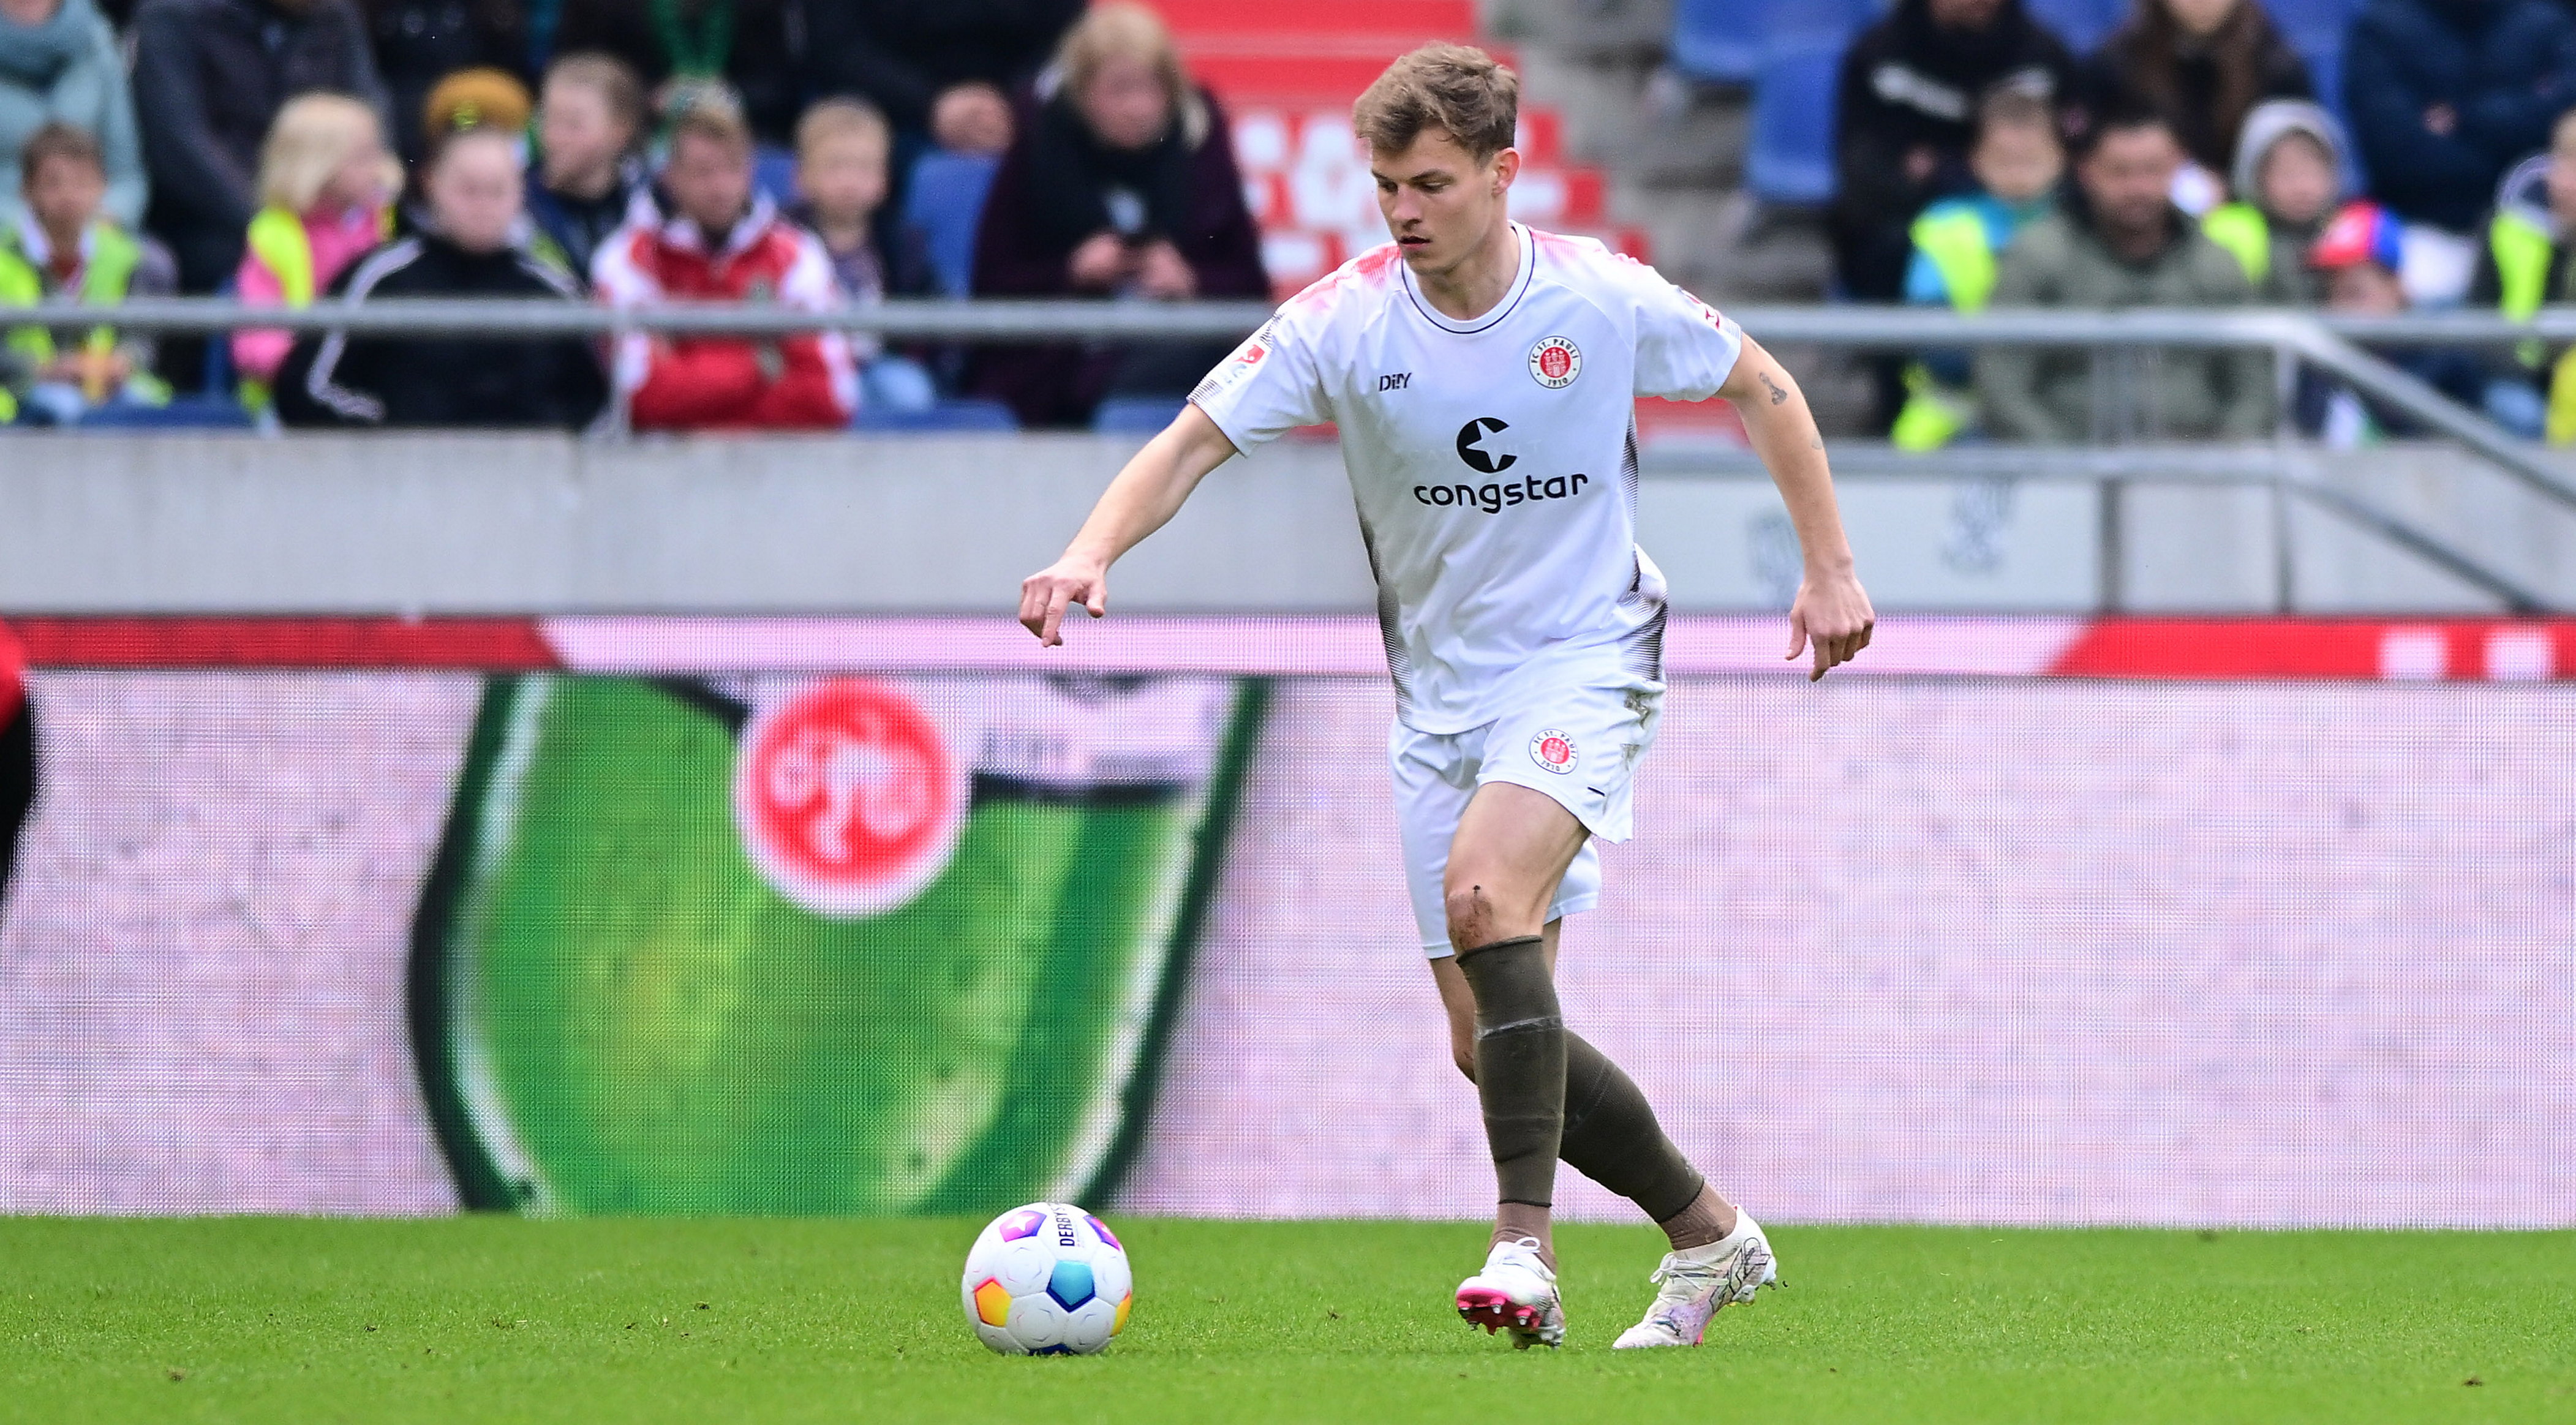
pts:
[1494, 461]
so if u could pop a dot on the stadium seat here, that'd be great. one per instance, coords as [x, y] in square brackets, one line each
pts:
[1718, 40]
[962, 414]
[1790, 160]
[773, 171]
[2312, 24]
[1135, 415]
[183, 413]
[946, 203]
[2083, 24]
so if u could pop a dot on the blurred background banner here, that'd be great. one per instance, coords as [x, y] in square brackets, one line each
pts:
[2043, 921]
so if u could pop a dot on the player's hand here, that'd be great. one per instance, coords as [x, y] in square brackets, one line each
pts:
[1047, 595]
[1833, 613]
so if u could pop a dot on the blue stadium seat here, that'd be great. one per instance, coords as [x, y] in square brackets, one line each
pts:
[2312, 24]
[1135, 415]
[2325, 70]
[963, 414]
[773, 171]
[1797, 21]
[1791, 157]
[946, 202]
[1719, 40]
[2083, 24]
[183, 413]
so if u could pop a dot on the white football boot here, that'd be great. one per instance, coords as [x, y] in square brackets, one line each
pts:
[1696, 1284]
[1515, 1291]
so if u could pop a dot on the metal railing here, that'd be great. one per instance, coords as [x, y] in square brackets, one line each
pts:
[2328, 343]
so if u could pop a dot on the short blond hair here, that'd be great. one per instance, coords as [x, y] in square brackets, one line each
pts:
[715, 118]
[1122, 29]
[608, 77]
[1457, 89]
[841, 119]
[314, 136]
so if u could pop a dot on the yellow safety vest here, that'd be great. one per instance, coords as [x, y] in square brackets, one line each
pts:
[2242, 229]
[277, 238]
[113, 258]
[2521, 249]
[1956, 243]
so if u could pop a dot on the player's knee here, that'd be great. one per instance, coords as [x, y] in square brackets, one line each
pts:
[1471, 916]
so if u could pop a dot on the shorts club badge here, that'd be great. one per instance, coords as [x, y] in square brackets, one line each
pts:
[1553, 751]
[1555, 362]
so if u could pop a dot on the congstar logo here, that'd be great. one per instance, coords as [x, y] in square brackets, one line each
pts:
[1471, 446]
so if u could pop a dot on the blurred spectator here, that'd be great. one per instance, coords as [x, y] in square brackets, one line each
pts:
[842, 149]
[469, 241]
[2358, 256]
[326, 190]
[2203, 65]
[59, 64]
[1906, 113]
[2121, 242]
[483, 98]
[942, 70]
[2017, 162]
[681, 46]
[2446, 94]
[209, 79]
[1121, 184]
[2531, 239]
[590, 179]
[66, 248]
[420, 42]
[724, 243]
[2288, 177]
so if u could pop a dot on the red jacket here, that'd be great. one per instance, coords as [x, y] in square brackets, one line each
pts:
[728, 383]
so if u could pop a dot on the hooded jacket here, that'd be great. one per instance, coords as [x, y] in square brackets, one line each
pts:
[209, 77]
[2043, 394]
[1908, 83]
[69, 69]
[331, 378]
[2504, 68]
[2273, 252]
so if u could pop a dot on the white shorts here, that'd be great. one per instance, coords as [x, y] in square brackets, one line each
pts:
[1579, 746]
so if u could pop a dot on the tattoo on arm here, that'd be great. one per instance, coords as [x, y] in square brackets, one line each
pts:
[1778, 392]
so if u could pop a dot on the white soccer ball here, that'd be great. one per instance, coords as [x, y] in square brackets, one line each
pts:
[1048, 1279]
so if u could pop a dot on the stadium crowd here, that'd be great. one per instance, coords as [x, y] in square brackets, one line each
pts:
[809, 153]
[813, 153]
[2191, 160]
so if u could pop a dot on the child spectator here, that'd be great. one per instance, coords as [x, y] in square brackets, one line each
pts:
[724, 243]
[2017, 162]
[590, 178]
[470, 242]
[326, 190]
[2531, 239]
[59, 63]
[2202, 65]
[210, 78]
[842, 149]
[2288, 178]
[2358, 256]
[65, 249]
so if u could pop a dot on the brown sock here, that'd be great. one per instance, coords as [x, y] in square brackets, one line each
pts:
[1708, 1219]
[1516, 1220]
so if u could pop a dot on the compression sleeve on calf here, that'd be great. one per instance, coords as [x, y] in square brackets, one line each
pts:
[1611, 1136]
[1520, 1064]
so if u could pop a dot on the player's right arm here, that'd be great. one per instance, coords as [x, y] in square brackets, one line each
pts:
[1144, 497]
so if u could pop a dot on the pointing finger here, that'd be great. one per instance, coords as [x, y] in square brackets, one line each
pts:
[1050, 634]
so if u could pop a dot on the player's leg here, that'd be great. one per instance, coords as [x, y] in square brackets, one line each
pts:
[1511, 850]
[1611, 1135]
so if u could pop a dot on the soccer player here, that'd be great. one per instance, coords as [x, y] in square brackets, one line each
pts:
[1483, 375]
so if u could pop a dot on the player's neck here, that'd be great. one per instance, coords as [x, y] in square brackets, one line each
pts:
[1476, 283]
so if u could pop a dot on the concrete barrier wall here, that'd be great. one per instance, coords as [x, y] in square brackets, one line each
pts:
[533, 524]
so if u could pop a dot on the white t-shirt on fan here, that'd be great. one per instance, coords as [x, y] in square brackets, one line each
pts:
[1494, 461]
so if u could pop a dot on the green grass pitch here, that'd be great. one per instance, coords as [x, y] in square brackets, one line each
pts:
[491, 1319]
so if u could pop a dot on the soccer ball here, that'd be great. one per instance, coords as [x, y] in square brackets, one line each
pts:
[1048, 1279]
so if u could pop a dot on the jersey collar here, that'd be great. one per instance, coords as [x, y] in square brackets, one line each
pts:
[1512, 298]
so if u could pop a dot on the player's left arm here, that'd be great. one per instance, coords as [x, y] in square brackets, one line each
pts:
[1832, 610]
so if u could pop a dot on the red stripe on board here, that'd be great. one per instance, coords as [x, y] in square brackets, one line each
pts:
[499, 643]
[2499, 649]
